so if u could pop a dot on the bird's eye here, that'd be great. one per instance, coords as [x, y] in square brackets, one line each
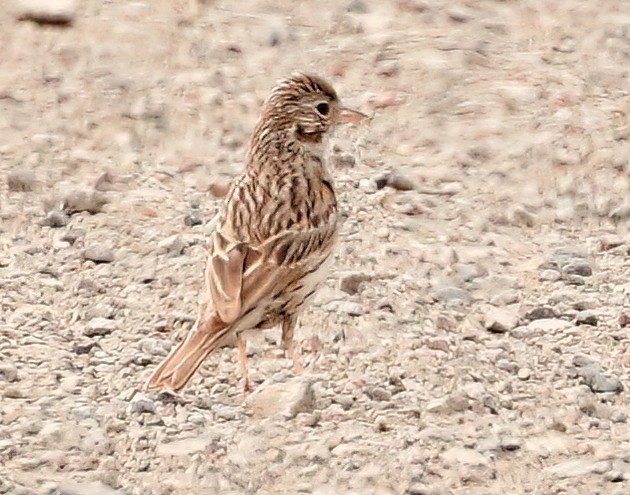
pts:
[323, 108]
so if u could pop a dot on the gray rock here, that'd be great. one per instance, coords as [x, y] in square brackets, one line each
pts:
[343, 160]
[192, 219]
[453, 294]
[21, 181]
[286, 399]
[142, 403]
[8, 372]
[586, 317]
[378, 393]
[578, 267]
[540, 313]
[88, 488]
[401, 180]
[596, 380]
[79, 200]
[351, 282]
[99, 254]
[97, 327]
[55, 219]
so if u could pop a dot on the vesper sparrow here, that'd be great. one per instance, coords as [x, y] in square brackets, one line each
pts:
[272, 243]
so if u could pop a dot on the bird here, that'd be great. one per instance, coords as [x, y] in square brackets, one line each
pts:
[272, 243]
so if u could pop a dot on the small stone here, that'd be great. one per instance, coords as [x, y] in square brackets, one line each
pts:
[401, 181]
[186, 446]
[21, 181]
[55, 219]
[524, 374]
[567, 45]
[173, 245]
[614, 476]
[586, 317]
[378, 393]
[8, 372]
[142, 404]
[550, 275]
[345, 307]
[286, 398]
[81, 200]
[47, 11]
[601, 383]
[505, 298]
[228, 413]
[620, 213]
[500, 320]
[192, 219]
[368, 186]
[450, 294]
[357, 7]
[511, 444]
[540, 313]
[99, 254]
[461, 455]
[351, 282]
[522, 217]
[83, 347]
[88, 488]
[571, 469]
[98, 326]
[578, 267]
[343, 160]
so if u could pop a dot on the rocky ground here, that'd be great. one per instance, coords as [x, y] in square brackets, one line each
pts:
[475, 335]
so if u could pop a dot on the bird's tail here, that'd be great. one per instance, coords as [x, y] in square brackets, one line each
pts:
[180, 365]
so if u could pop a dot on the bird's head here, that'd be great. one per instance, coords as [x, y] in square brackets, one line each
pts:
[308, 106]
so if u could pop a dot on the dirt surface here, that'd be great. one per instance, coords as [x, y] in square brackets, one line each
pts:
[474, 337]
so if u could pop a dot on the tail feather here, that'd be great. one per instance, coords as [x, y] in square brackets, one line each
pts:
[180, 365]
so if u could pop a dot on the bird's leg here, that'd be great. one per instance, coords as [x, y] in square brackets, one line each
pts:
[288, 326]
[242, 357]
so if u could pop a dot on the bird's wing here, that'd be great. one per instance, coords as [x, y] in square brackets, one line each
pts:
[240, 275]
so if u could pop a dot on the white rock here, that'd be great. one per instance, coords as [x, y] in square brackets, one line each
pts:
[288, 399]
[93, 488]
[462, 455]
[185, 446]
[500, 320]
[47, 11]
[572, 468]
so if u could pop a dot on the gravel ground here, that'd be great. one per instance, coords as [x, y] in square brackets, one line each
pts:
[475, 335]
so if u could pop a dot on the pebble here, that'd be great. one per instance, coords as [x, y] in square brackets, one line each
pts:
[401, 180]
[572, 468]
[86, 488]
[286, 399]
[579, 267]
[99, 254]
[185, 447]
[620, 213]
[500, 320]
[550, 275]
[98, 327]
[141, 403]
[586, 317]
[368, 186]
[453, 294]
[378, 393]
[351, 283]
[345, 307]
[8, 372]
[192, 219]
[523, 218]
[21, 181]
[343, 160]
[78, 200]
[173, 245]
[55, 219]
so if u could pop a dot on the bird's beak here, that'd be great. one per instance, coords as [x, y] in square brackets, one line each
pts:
[348, 116]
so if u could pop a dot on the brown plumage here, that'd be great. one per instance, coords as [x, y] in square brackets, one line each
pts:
[272, 243]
